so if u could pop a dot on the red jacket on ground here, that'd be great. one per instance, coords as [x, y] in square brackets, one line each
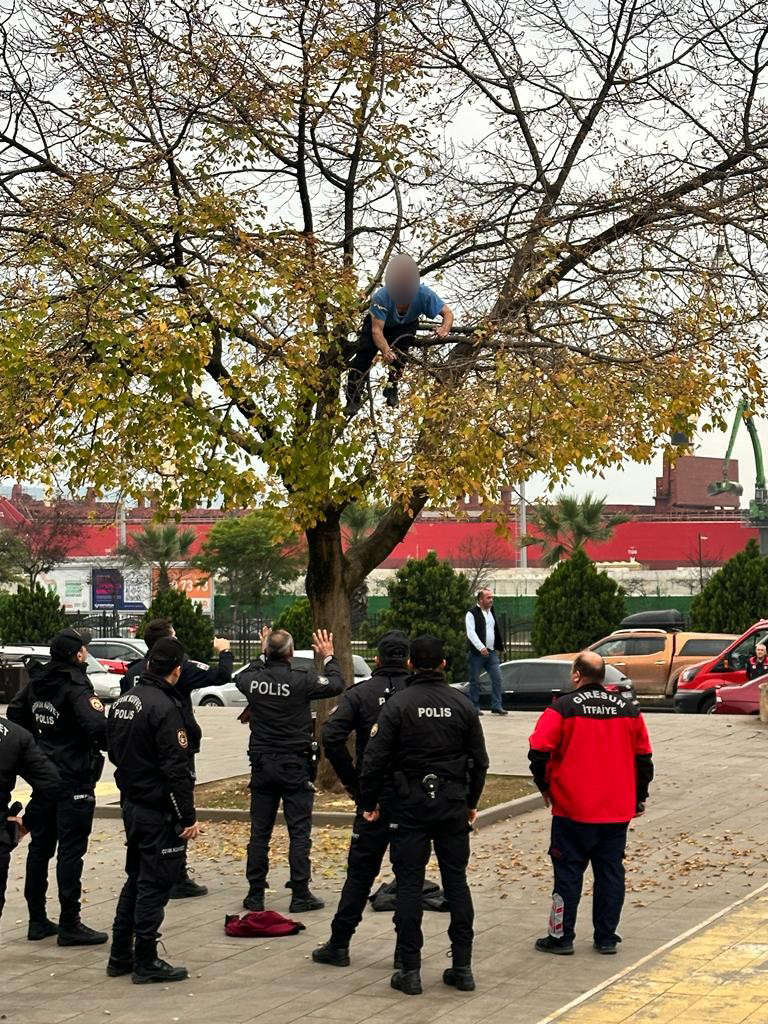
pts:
[590, 752]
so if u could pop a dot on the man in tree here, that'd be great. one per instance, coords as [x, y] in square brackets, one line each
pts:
[390, 327]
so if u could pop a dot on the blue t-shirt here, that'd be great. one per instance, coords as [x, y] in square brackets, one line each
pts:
[426, 303]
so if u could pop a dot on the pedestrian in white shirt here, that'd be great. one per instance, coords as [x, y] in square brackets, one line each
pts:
[485, 645]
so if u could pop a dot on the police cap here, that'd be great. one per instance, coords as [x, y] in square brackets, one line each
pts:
[427, 652]
[166, 655]
[393, 648]
[67, 643]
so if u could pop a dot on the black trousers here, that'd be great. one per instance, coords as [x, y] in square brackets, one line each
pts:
[575, 845]
[153, 863]
[62, 829]
[444, 826]
[6, 846]
[400, 338]
[367, 847]
[279, 777]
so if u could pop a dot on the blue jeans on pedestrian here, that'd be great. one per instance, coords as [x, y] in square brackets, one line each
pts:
[489, 663]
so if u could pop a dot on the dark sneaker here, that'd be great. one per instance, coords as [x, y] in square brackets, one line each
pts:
[560, 947]
[499, 711]
[41, 930]
[188, 889]
[254, 901]
[607, 947]
[408, 982]
[80, 934]
[335, 956]
[460, 977]
[118, 966]
[302, 903]
[158, 972]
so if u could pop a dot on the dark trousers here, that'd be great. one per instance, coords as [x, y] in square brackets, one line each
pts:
[574, 845]
[274, 778]
[5, 860]
[153, 863]
[367, 847]
[490, 664]
[66, 825]
[410, 850]
[400, 338]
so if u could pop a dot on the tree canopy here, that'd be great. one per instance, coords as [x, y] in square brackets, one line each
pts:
[31, 616]
[736, 596]
[193, 629]
[569, 523]
[198, 201]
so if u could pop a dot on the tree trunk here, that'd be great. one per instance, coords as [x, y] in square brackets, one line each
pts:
[329, 600]
[163, 579]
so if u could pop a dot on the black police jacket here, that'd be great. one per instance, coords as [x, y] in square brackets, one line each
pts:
[149, 746]
[279, 697]
[194, 676]
[357, 712]
[428, 728]
[20, 755]
[60, 709]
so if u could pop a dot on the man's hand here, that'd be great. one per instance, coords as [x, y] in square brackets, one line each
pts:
[264, 635]
[191, 832]
[371, 815]
[640, 810]
[472, 816]
[244, 716]
[22, 830]
[221, 643]
[485, 652]
[442, 331]
[322, 643]
[547, 799]
[388, 354]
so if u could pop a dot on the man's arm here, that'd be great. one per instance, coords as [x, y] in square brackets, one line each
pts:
[445, 327]
[377, 762]
[196, 674]
[472, 636]
[643, 762]
[173, 757]
[331, 683]
[381, 343]
[132, 673]
[478, 761]
[544, 739]
[89, 712]
[336, 731]
[20, 712]
[42, 775]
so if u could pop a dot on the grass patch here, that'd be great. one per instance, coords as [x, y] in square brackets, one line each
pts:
[233, 794]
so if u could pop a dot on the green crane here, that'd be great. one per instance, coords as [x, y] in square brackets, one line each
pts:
[758, 506]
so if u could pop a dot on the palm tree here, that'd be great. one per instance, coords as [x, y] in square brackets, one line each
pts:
[357, 521]
[164, 545]
[570, 523]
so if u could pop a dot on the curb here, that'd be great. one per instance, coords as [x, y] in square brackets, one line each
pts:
[342, 819]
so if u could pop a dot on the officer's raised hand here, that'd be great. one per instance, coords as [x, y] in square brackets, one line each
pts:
[322, 643]
[221, 643]
[264, 635]
[191, 831]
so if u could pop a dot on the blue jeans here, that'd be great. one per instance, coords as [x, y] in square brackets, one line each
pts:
[489, 664]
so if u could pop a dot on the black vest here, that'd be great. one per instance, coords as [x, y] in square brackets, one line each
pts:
[477, 613]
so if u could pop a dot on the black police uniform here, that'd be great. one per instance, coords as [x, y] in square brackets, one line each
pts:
[60, 709]
[280, 752]
[433, 734]
[357, 712]
[149, 746]
[756, 668]
[20, 755]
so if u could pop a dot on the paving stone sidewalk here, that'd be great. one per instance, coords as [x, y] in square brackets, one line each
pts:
[700, 847]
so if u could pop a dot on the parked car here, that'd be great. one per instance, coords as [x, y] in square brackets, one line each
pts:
[117, 652]
[105, 686]
[741, 699]
[695, 693]
[655, 657]
[533, 683]
[228, 696]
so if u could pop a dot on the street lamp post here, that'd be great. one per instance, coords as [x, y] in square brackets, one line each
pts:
[701, 563]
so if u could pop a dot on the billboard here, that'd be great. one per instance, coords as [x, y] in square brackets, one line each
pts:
[197, 585]
[71, 585]
[120, 589]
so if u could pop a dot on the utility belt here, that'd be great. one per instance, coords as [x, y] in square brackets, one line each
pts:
[431, 782]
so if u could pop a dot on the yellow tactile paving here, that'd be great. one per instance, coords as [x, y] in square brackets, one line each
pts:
[718, 976]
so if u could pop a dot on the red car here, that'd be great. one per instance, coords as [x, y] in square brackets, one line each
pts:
[739, 699]
[697, 684]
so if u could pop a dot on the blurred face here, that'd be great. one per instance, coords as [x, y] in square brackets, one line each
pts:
[486, 600]
[402, 280]
[761, 650]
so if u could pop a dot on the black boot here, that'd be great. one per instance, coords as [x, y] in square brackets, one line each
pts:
[43, 929]
[79, 934]
[335, 956]
[408, 982]
[187, 889]
[120, 955]
[560, 947]
[303, 901]
[149, 969]
[460, 977]
[254, 900]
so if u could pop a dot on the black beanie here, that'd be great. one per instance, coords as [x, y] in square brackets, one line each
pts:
[393, 648]
[166, 655]
[66, 644]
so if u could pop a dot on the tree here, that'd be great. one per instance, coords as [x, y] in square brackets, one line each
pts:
[479, 554]
[31, 616]
[255, 556]
[358, 521]
[428, 596]
[198, 200]
[736, 596]
[193, 629]
[297, 619]
[42, 541]
[163, 545]
[575, 606]
[569, 524]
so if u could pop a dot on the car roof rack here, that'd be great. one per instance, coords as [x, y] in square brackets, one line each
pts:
[668, 620]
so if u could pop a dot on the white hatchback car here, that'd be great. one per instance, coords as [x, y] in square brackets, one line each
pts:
[228, 695]
[105, 685]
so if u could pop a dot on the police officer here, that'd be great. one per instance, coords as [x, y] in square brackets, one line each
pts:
[591, 758]
[194, 676]
[58, 706]
[357, 711]
[433, 734]
[757, 665]
[149, 746]
[281, 756]
[20, 755]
